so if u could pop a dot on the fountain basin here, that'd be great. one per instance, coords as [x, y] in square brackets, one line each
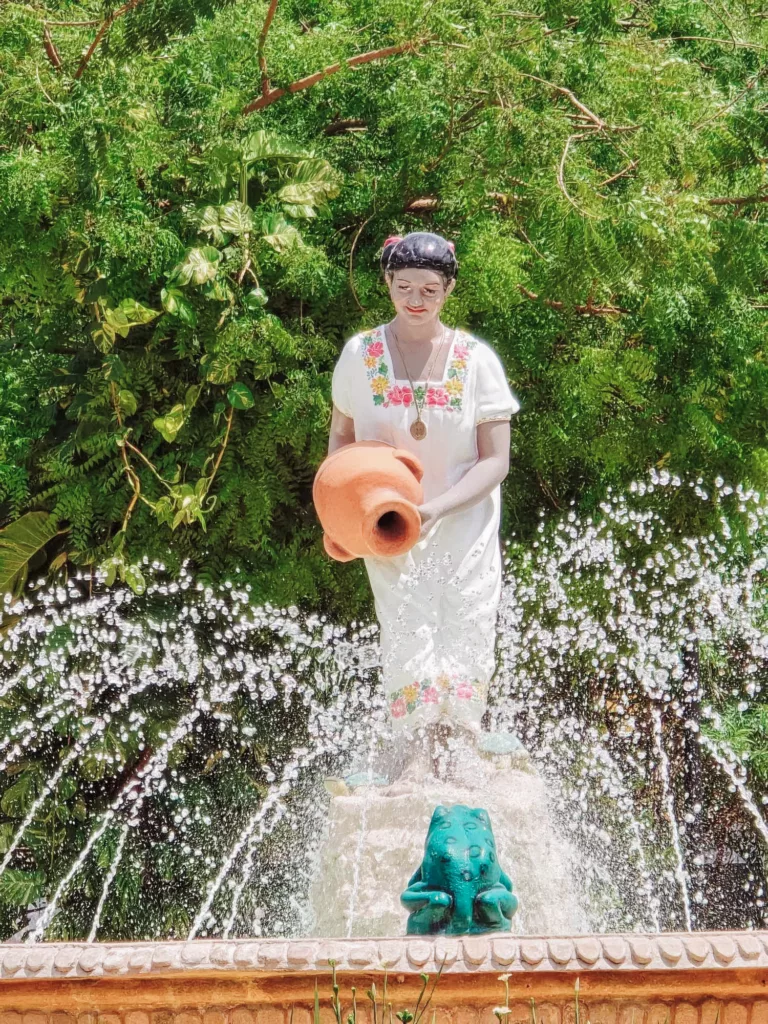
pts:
[688, 978]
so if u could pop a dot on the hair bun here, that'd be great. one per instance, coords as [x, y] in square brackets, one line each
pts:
[392, 239]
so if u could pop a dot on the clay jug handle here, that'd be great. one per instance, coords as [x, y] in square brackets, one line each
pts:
[336, 551]
[409, 459]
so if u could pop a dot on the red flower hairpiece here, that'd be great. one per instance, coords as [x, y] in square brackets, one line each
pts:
[392, 239]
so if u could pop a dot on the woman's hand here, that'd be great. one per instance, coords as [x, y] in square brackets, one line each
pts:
[430, 512]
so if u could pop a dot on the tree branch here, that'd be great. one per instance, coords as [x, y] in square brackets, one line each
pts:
[268, 98]
[50, 48]
[262, 43]
[738, 200]
[586, 310]
[100, 34]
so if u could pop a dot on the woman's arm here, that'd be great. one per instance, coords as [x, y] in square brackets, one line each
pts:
[342, 430]
[492, 466]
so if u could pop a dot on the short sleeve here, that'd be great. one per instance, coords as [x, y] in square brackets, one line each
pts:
[494, 399]
[341, 382]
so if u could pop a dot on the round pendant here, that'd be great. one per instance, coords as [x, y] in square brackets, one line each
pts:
[418, 430]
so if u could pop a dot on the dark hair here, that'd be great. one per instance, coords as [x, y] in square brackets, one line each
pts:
[420, 249]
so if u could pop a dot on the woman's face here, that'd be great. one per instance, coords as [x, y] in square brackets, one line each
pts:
[418, 294]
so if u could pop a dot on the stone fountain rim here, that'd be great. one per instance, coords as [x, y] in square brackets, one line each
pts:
[484, 954]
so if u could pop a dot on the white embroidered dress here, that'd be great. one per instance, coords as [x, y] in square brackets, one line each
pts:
[437, 604]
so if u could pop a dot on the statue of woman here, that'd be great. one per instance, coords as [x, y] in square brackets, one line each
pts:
[441, 393]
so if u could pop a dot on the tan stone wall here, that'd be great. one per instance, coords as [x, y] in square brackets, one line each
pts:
[650, 1011]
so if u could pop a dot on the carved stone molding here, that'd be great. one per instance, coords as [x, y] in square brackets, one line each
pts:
[582, 954]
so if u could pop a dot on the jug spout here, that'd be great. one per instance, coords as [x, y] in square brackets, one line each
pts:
[391, 524]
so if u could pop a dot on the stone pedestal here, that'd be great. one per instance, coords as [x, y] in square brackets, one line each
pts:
[375, 841]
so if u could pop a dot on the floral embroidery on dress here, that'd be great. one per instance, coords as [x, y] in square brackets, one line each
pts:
[439, 690]
[442, 396]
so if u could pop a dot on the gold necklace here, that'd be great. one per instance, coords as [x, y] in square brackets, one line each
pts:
[418, 427]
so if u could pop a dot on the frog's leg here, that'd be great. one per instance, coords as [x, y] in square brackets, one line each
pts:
[506, 881]
[429, 909]
[494, 907]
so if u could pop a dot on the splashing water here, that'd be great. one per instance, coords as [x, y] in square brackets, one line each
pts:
[171, 747]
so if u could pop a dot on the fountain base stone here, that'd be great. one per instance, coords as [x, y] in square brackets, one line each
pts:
[694, 978]
[375, 841]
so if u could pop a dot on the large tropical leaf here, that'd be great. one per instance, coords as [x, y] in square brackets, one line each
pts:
[278, 233]
[198, 266]
[19, 542]
[236, 218]
[263, 144]
[311, 182]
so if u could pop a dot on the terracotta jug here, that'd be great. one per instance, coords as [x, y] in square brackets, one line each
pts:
[366, 496]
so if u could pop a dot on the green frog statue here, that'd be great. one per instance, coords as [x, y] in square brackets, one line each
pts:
[460, 888]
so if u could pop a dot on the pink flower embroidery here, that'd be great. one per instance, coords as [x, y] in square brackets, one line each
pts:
[437, 396]
[464, 691]
[429, 696]
[400, 396]
[460, 352]
[376, 348]
[399, 708]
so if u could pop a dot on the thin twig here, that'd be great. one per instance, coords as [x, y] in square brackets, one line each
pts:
[561, 176]
[144, 458]
[630, 167]
[100, 34]
[300, 84]
[359, 231]
[71, 24]
[527, 239]
[219, 457]
[598, 122]
[708, 39]
[750, 85]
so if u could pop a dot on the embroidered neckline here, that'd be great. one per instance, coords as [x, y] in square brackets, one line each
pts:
[439, 690]
[387, 391]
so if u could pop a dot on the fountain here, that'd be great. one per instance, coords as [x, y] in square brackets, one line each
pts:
[207, 771]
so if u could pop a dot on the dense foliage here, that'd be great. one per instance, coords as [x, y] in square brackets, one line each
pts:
[190, 230]
[178, 274]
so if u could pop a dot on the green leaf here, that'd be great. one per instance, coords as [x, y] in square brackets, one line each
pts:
[128, 403]
[221, 369]
[7, 831]
[21, 888]
[207, 221]
[240, 397]
[177, 304]
[198, 266]
[191, 397]
[136, 313]
[104, 337]
[135, 579]
[19, 542]
[277, 232]
[111, 566]
[263, 145]
[170, 424]
[19, 797]
[312, 182]
[236, 218]
[67, 787]
[255, 299]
